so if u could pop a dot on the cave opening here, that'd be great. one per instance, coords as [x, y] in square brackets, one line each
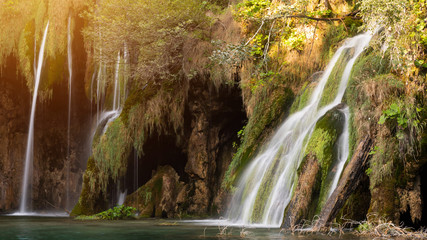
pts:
[159, 150]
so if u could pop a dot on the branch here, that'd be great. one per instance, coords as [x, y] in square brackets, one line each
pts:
[352, 15]
[319, 19]
[262, 23]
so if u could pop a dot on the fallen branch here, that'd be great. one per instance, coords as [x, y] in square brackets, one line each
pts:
[352, 15]
[321, 19]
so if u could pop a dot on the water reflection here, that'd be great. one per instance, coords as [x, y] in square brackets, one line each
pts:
[47, 228]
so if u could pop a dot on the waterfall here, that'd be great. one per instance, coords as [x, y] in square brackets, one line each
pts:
[116, 100]
[70, 72]
[343, 151]
[30, 140]
[91, 92]
[115, 113]
[98, 92]
[265, 187]
[104, 118]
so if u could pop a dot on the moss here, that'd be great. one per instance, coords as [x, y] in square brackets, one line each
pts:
[303, 97]
[370, 64]
[112, 151]
[91, 200]
[266, 114]
[322, 145]
[109, 162]
[331, 88]
[137, 97]
[352, 25]
[267, 184]
[334, 34]
[147, 199]
[384, 200]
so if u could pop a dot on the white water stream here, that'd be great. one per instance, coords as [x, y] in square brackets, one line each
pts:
[265, 187]
[343, 150]
[30, 140]
[70, 77]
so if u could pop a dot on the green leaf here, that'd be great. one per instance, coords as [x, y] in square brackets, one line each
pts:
[382, 119]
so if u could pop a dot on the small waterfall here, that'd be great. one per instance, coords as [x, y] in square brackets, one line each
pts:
[30, 140]
[122, 198]
[70, 77]
[99, 91]
[116, 100]
[265, 187]
[104, 118]
[91, 92]
[343, 151]
[115, 113]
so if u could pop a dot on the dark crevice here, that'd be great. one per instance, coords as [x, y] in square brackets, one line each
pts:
[158, 150]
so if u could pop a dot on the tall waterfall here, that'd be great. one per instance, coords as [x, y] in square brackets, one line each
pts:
[70, 77]
[265, 187]
[30, 140]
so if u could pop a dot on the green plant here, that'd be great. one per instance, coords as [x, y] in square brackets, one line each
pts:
[258, 45]
[296, 41]
[117, 213]
[373, 150]
[368, 171]
[251, 8]
[402, 117]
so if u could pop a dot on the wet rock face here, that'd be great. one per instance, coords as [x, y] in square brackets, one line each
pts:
[51, 161]
[186, 179]
[216, 116]
[14, 101]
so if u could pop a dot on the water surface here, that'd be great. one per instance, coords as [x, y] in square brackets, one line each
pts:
[46, 228]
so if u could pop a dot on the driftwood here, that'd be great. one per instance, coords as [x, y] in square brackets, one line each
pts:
[349, 181]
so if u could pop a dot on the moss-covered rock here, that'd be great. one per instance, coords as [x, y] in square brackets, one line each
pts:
[267, 114]
[302, 99]
[315, 171]
[332, 86]
[322, 146]
[91, 200]
[159, 197]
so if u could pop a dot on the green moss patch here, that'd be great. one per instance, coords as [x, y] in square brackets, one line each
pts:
[322, 146]
[266, 114]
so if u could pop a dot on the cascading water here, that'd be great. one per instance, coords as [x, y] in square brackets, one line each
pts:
[105, 117]
[116, 100]
[70, 75]
[343, 151]
[265, 187]
[30, 140]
